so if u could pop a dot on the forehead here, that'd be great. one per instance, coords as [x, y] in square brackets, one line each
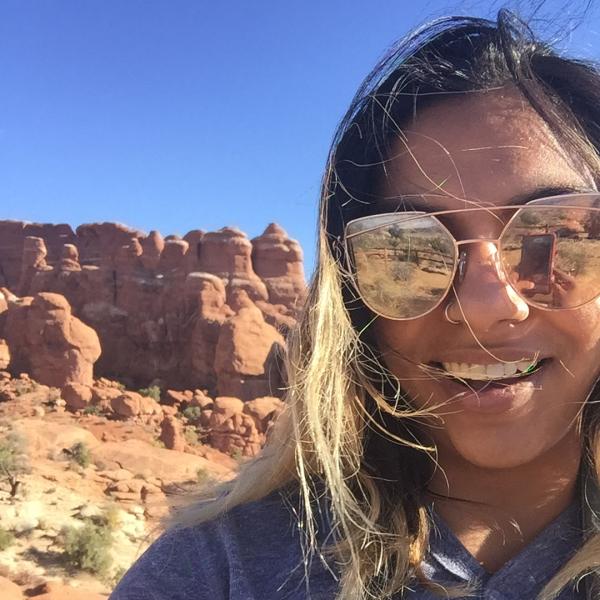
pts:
[485, 147]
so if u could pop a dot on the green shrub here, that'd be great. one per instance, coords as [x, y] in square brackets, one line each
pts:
[190, 435]
[191, 413]
[6, 539]
[14, 461]
[573, 258]
[92, 409]
[202, 475]
[80, 454]
[88, 548]
[151, 392]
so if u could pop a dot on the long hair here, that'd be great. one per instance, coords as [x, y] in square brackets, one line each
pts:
[347, 428]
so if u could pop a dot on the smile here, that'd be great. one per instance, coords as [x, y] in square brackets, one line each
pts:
[490, 372]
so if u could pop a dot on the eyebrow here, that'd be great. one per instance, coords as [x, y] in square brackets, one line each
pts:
[417, 201]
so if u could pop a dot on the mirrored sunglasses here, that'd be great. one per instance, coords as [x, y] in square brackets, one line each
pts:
[403, 264]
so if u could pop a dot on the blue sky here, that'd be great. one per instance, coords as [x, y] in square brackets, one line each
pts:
[184, 114]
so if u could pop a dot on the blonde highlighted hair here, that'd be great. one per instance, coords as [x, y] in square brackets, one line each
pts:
[347, 427]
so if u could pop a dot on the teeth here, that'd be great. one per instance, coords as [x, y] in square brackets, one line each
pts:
[510, 368]
[495, 371]
[487, 372]
[523, 365]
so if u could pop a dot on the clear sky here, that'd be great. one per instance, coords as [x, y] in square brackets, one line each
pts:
[184, 114]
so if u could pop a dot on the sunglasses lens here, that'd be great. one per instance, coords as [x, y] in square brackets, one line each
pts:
[402, 267]
[552, 255]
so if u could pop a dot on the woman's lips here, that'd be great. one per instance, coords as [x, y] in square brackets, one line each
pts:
[494, 397]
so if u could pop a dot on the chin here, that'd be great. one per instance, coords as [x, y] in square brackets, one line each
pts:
[508, 446]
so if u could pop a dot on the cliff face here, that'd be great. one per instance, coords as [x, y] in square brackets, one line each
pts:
[204, 311]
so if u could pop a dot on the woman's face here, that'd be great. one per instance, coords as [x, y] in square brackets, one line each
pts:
[489, 148]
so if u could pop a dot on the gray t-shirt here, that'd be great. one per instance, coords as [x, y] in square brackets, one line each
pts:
[254, 552]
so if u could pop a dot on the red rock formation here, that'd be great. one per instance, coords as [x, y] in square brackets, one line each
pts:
[152, 246]
[246, 351]
[13, 234]
[227, 253]
[4, 355]
[77, 396]
[99, 243]
[69, 260]
[48, 342]
[278, 262]
[159, 306]
[171, 434]
[34, 260]
[208, 292]
[237, 427]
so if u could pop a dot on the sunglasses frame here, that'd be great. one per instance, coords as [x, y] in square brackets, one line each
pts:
[460, 258]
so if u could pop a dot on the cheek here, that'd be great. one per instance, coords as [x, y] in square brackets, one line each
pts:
[405, 338]
[579, 328]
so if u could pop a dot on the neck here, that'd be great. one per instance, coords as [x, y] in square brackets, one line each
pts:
[495, 513]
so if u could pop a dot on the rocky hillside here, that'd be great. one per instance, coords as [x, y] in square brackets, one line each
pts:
[132, 368]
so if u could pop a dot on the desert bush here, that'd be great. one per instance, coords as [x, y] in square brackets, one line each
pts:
[92, 409]
[88, 548]
[80, 454]
[402, 271]
[22, 388]
[151, 392]
[191, 413]
[529, 218]
[110, 517]
[190, 435]
[202, 475]
[6, 539]
[573, 258]
[14, 461]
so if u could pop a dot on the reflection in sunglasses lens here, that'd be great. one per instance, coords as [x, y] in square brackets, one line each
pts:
[552, 255]
[403, 270]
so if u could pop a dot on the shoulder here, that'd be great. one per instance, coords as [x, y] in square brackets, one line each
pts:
[253, 551]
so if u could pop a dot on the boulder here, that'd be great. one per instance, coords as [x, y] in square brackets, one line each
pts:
[264, 410]
[127, 404]
[69, 259]
[47, 438]
[168, 465]
[51, 344]
[171, 434]
[4, 355]
[77, 396]
[230, 430]
[246, 350]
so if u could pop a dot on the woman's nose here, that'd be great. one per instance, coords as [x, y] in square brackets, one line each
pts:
[483, 292]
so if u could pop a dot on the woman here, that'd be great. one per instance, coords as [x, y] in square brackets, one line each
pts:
[440, 438]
